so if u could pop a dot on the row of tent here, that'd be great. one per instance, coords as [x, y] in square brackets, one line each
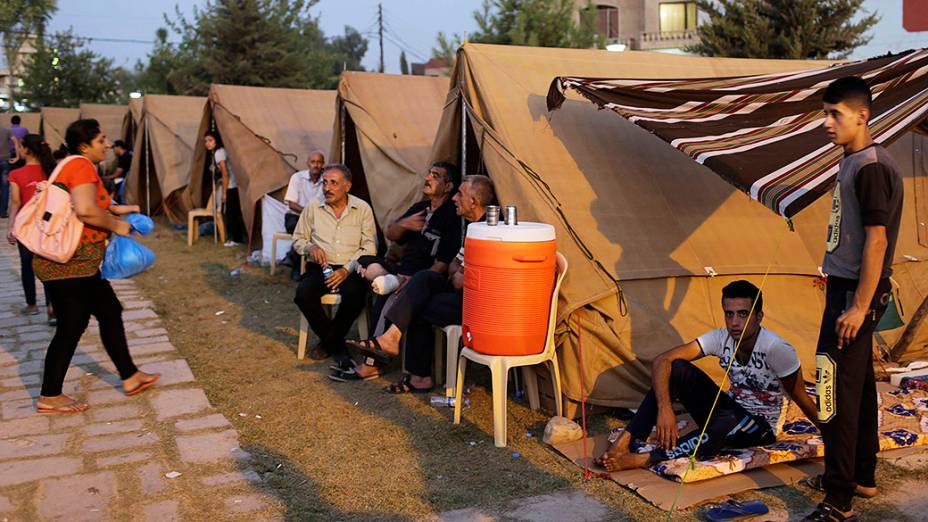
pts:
[651, 236]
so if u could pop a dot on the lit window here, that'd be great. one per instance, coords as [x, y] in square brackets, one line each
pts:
[677, 16]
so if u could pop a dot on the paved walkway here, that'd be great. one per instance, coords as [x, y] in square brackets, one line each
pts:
[115, 461]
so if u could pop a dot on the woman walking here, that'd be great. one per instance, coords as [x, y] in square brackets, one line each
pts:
[76, 289]
[231, 204]
[39, 164]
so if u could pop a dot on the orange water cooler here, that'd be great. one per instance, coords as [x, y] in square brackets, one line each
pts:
[509, 272]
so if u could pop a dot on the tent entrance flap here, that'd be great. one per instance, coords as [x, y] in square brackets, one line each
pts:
[763, 133]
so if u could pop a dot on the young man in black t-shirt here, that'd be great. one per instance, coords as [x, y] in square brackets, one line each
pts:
[114, 182]
[862, 231]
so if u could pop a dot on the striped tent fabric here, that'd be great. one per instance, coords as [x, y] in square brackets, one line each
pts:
[764, 134]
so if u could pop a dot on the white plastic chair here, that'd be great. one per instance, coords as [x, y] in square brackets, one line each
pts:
[278, 236]
[193, 231]
[500, 365]
[330, 302]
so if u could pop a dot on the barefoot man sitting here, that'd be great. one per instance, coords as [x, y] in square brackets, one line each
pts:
[765, 374]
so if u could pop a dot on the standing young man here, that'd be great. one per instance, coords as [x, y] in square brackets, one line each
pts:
[865, 214]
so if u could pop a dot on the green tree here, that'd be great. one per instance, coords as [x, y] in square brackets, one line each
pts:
[347, 51]
[154, 78]
[536, 23]
[20, 20]
[404, 65]
[788, 29]
[62, 73]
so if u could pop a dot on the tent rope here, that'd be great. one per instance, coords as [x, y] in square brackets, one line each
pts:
[718, 393]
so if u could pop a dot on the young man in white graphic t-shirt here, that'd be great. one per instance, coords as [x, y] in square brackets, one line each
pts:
[765, 374]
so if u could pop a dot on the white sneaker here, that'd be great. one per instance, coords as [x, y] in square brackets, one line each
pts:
[385, 284]
[230, 243]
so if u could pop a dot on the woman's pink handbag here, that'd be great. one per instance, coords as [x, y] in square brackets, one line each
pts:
[47, 224]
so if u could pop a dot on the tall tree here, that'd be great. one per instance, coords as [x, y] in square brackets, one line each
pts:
[789, 29]
[63, 73]
[537, 23]
[21, 20]
[404, 65]
[271, 43]
[154, 77]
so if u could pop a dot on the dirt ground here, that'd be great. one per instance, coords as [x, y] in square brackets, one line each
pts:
[349, 451]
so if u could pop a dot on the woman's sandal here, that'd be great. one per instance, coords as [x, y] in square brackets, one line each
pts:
[371, 348]
[817, 482]
[144, 386]
[71, 407]
[405, 386]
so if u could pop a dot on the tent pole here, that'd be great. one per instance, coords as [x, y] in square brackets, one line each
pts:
[147, 170]
[341, 116]
[463, 136]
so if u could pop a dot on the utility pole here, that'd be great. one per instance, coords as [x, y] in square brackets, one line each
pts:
[380, 30]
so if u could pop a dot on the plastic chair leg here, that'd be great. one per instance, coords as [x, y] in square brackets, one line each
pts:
[304, 338]
[191, 222]
[531, 386]
[459, 389]
[273, 256]
[556, 377]
[220, 222]
[500, 392]
[452, 345]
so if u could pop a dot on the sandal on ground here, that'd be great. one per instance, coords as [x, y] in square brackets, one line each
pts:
[827, 513]
[731, 510]
[29, 311]
[144, 386]
[405, 386]
[817, 483]
[71, 407]
[349, 376]
[371, 348]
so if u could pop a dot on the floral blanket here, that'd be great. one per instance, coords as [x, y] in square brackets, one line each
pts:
[903, 421]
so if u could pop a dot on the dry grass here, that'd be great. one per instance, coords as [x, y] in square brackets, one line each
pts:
[349, 451]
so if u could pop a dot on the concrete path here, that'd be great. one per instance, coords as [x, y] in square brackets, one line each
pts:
[120, 459]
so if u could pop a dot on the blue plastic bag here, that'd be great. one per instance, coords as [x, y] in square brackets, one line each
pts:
[141, 223]
[125, 257]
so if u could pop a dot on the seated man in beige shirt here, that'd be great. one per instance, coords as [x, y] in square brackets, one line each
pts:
[333, 232]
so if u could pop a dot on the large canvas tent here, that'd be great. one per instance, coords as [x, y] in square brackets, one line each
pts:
[389, 123]
[29, 120]
[55, 121]
[268, 134]
[132, 120]
[642, 226]
[165, 141]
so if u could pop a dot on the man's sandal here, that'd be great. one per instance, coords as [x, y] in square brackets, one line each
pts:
[817, 482]
[827, 513]
[371, 348]
[405, 386]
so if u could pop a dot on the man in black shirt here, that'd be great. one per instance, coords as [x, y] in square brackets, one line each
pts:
[115, 182]
[865, 214]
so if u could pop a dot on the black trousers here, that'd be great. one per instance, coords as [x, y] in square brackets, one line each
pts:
[75, 300]
[731, 426]
[428, 299]
[850, 435]
[332, 332]
[235, 225]
[27, 274]
[290, 221]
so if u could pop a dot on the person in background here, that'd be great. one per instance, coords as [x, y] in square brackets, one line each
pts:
[333, 233]
[115, 182]
[39, 165]
[76, 289]
[231, 204]
[19, 132]
[305, 186]
[8, 156]
[429, 299]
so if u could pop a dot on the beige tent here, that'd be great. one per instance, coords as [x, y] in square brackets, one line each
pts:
[164, 146]
[131, 121]
[110, 118]
[55, 121]
[390, 123]
[642, 225]
[30, 120]
[268, 134]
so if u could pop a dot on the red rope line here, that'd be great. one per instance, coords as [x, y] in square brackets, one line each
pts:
[586, 461]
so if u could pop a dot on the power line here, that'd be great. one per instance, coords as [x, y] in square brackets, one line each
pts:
[410, 51]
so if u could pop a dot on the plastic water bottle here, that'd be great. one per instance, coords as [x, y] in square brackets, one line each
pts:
[326, 273]
[441, 400]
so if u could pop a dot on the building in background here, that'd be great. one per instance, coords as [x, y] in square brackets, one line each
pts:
[646, 25]
[10, 73]
[433, 67]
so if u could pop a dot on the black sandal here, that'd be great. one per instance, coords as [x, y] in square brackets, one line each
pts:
[817, 482]
[352, 375]
[371, 348]
[405, 386]
[827, 513]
